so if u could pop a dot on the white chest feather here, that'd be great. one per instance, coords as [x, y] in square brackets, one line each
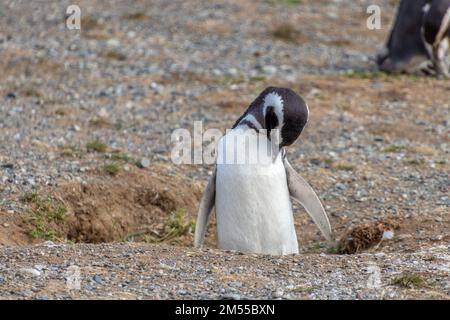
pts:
[253, 208]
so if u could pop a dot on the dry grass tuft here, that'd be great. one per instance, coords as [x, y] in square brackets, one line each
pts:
[287, 32]
[113, 55]
[409, 280]
[364, 236]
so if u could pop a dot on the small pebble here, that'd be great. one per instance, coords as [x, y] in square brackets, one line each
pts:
[144, 163]
[97, 279]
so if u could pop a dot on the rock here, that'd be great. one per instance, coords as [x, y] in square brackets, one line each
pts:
[103, 113]
[340, 186]
[155, 87]
[232, 71]
[235, 284]
[278, 293]
[49, 243]
[39, 267]
[30, 271]
[88, 287]
[144, 163]
[437, 238]
[230, 296]
[182, 292]
[27, 293]
[113, 42]
[270, 70]
[97, 279]
[11, 95]
[161, 157]
[315, 92]
[387, 235]
[378, 139]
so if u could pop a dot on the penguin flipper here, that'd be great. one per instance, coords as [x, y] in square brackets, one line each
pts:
[302, 192]
[204, 210]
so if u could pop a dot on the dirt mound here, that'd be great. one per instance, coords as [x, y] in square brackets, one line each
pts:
[11, 232]
[128, 204]
[153, 205]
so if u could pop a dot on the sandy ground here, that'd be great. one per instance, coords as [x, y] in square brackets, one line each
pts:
[85, 123]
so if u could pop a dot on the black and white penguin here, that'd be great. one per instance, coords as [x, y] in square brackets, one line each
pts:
[436, 35]
[252, 198]
[419, 42]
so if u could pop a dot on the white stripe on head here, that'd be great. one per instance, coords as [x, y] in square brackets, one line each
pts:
[445, 25]
[250, 118]
[307, 111]
[274, 100]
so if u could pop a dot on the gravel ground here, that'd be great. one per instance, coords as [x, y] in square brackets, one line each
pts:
[376, 147]
[136, 271]
[146, 70]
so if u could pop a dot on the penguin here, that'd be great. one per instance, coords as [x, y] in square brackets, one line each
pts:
[435, 33]
[252, 198]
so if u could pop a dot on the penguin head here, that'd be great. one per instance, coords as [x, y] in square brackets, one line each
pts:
[277, 108]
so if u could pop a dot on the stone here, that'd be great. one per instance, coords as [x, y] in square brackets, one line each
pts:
[30, 271]
[97, 279]
[144, 163]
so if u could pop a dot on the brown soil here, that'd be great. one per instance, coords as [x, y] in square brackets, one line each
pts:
[111, 209]
[107, 209]
[11, 230]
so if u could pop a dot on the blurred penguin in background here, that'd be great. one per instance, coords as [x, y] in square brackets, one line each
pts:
[419, 40]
